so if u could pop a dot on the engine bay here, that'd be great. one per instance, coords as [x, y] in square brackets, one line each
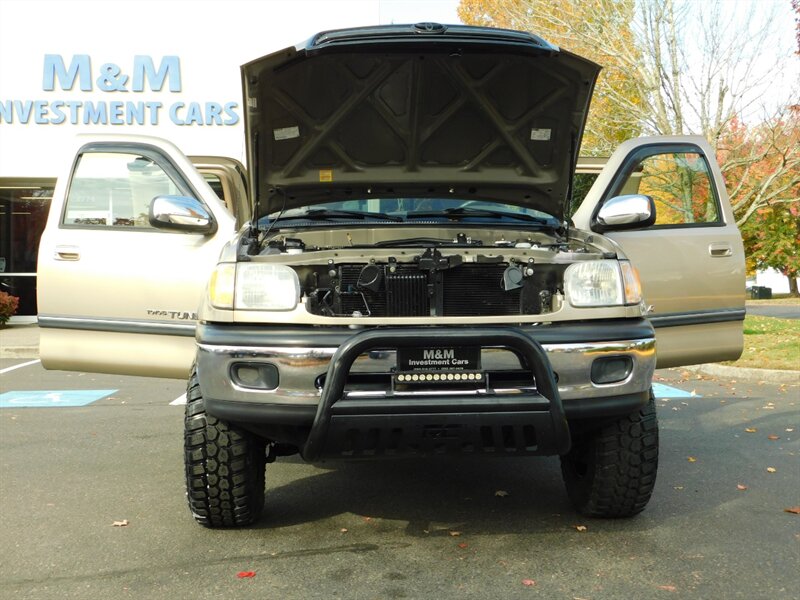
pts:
[346, 274]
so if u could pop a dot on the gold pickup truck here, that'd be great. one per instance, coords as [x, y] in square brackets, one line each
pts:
[407, 278]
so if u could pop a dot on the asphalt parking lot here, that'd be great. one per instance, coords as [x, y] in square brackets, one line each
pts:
[717, 525]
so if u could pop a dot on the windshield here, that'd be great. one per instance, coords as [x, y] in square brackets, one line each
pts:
[399, 210]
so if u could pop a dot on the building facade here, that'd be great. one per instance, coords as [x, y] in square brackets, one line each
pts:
[169, 69]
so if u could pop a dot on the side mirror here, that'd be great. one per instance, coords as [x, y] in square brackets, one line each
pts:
[632, 211]
[181, 213]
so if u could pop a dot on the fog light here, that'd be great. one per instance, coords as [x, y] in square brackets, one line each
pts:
[611, 370]
[260, 376]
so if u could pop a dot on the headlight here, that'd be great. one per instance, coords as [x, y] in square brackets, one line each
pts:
[254, 286]
[594, 283]
[266, 287]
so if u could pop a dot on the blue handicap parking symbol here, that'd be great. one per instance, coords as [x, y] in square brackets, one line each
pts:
[664, 391]
[51, 398]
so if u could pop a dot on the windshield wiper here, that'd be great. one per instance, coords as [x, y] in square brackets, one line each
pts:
[323, 214]
[424, 242]
[467, 212]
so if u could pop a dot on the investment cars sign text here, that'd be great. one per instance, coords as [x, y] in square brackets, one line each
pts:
[143, 76]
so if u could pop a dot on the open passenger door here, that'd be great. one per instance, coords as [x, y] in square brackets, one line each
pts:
[117, 292]
[691, 260]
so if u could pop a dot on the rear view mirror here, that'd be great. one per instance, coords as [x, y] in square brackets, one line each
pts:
[625, 212]
[181, 213]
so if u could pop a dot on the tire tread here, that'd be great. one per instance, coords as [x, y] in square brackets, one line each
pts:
[622, 459]
[224, 467]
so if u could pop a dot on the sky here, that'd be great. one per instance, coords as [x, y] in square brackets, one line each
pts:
[211, 37]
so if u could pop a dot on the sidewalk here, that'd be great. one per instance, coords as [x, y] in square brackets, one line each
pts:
[22, 341]
[19, 341]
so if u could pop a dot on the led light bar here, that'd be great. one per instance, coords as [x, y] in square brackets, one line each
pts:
[432, 377]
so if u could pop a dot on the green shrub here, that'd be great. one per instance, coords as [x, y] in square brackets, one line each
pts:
[8, 306]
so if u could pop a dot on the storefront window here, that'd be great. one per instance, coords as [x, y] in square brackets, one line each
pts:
[24, 204]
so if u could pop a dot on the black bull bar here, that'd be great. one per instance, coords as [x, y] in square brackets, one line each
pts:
[529, 421]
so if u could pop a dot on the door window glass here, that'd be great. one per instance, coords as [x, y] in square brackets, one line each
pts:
[115, 190]
[680, 185]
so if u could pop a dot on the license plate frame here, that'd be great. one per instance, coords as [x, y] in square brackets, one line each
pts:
[439, 358]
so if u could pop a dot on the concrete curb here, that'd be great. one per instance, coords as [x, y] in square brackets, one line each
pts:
[745, 374]
[19, 352]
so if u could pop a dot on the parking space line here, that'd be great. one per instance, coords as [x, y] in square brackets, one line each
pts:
[179, 400]
[19, 366]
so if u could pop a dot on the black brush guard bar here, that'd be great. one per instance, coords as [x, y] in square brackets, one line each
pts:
[541, 409]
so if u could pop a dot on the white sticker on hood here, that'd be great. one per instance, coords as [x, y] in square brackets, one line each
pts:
[540, 135]
[286, 133]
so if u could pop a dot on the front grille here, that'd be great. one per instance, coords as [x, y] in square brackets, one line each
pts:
[407, 294]
[472, 289]
[350, 299]
[475, 290]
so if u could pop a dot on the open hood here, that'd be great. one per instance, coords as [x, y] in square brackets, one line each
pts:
[422, 110]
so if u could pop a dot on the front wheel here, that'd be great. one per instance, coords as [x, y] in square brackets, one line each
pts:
[611, 471]
[225, 466]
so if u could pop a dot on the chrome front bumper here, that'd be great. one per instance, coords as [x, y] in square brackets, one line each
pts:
[301, 370]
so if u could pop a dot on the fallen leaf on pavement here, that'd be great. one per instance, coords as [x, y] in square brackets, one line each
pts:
[751, 430]
[528, 582]
[772, 470]
[580, 527]
[123, 523]
[455, 533]
[245, 574]
[501, 493]
[463, 545]
[668, 588]
[773, 437]
[741, 487]
[691, 459]
[795, 510]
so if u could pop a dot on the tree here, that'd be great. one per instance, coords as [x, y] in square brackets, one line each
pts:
[761, 164]
[576, 26]
[773, 237]
[676, 67]
[796, 7]
[672, 68]
[771, 232]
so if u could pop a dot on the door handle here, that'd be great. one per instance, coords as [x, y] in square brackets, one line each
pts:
[67, 253]
[719, 249]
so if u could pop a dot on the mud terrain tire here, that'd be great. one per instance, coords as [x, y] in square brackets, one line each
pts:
[610, 472]
[225, 467]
